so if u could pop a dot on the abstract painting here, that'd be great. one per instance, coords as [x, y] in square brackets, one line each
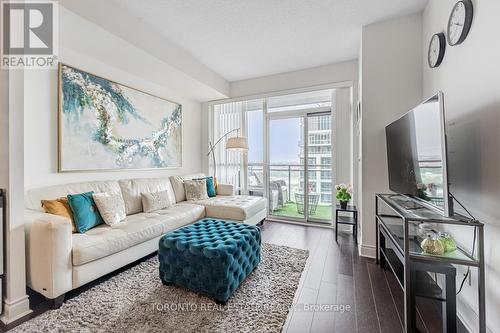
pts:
[104, 125]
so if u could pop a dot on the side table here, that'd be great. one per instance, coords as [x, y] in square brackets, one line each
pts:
[351, 220]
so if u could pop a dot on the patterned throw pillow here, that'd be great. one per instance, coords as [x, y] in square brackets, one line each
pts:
[59, 207]
[85, 211]
[196, 189]
[111, 207]
[155, 201]
[211, 192]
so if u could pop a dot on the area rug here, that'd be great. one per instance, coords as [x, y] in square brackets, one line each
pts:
[136, 301]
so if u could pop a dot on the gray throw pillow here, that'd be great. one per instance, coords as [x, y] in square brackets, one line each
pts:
[196, 189]
[155, 201]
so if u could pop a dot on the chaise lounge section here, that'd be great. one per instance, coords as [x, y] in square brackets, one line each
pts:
[59, 260]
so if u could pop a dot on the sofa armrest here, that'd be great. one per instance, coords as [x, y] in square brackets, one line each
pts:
[225, 189]
[48, 247]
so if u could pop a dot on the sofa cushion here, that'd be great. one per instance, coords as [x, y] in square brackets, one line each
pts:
[178, 185]
[132, 189]
[85, 212]
[225, 189]
[111, 207]
[233, 207]
[34, 197]
[152, 201]
[196, 189]
[59, 207]
[105, 240]
[210, 186]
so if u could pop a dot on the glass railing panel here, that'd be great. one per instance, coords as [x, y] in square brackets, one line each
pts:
[286, 189]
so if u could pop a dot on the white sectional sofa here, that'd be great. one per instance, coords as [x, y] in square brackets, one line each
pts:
[59, 260]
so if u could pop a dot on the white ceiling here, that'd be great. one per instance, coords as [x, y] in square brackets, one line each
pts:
[242, 39]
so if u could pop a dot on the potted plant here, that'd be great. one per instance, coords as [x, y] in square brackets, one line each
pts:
[422, 192]
[344, 194]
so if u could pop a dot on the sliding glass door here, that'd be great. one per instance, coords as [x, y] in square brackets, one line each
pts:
[300, 167]
[290, 156]
[286, 192]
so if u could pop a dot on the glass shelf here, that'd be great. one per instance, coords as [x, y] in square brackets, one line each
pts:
[394, 226]
[413, 210]
[425, 285]
[390, 242]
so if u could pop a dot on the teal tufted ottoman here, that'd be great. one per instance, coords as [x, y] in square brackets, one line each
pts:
[212, 257]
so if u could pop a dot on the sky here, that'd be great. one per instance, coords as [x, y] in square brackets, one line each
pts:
[284, 139]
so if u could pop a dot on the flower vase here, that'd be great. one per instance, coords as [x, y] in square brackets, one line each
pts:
[343, 204]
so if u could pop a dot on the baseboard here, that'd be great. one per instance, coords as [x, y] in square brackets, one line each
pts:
[468, 316]
[368, 251]
[14, 310]
[306, 224]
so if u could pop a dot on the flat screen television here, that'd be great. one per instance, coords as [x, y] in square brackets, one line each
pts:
[416, 155]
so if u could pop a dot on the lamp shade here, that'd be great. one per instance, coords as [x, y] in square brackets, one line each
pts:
[238, 143]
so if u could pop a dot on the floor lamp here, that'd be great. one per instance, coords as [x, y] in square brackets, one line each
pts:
[237, 143]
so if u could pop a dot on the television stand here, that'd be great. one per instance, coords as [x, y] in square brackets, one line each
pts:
[406, 202]
[398, 249]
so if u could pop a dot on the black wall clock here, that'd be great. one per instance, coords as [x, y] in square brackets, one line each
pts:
[437, 46]
[460, 22]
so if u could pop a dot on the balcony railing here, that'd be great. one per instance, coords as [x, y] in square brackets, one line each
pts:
[286, 184]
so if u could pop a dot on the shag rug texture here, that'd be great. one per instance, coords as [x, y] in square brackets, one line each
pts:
[136, 301]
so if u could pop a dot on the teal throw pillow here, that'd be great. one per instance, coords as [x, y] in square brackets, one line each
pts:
[210, 186]
[85, 212]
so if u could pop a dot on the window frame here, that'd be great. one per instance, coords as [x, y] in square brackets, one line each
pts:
[267, 116]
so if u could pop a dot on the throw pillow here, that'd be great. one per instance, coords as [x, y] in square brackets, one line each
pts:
[178, 187]
[196, 189]
[59, 207]
[111, 207]
[85, 211]
[210, 186]
[154, 201]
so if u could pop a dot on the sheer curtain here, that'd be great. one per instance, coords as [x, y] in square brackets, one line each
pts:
[227, 117]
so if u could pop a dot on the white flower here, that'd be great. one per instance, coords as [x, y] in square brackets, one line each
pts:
[421, 186]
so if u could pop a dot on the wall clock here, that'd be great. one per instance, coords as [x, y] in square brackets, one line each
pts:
[460, 22]
[437, 47]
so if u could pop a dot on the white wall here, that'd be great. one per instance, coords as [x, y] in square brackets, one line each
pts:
[184, 70]
[87, 46]
[343, 71]
[470, 79]
[4, 128]
[205, 138]
[15, 301]
[391, 84]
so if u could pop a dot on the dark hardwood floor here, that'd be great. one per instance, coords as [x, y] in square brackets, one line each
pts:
[334, 275]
